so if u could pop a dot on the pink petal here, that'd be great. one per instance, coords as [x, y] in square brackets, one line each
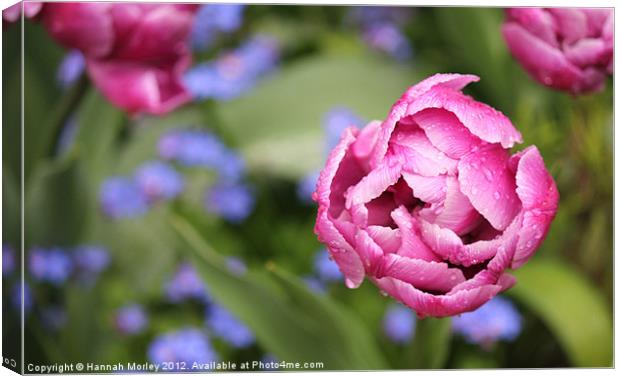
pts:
[366, 140]
[443, 242]
[397, 112]
[341, 172]
[588, 51]
[84, 26]
[446, 132]
[370, 252]
[537, 21]
[572, 23]
[485, 179]
[456, 214]
[417, 155]
[412, 245]
[425, 304]
[137, 87]
[341, 251]
[388, 239]
[430, 189]
[540, 197]
[544, 63]
[374, 184]
[424, 275]
[480, 119]
[485, 278]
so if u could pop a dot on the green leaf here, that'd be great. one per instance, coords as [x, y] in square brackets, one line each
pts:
[279, 125]
[54, 204]
[287, 320]
[431, 345]
[571, 307]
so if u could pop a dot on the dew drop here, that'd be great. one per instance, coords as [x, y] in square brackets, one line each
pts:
[383, 293]
[496, 195]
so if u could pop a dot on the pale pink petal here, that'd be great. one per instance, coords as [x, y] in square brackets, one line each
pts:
[387, 238]
[456, 212]
[430, 189]
[424, 275]
[446, 132]
[374, 184]
[412, 245]
[417, 155]
[443, 242]
[366, 140]
[485, 178]
[369, 251]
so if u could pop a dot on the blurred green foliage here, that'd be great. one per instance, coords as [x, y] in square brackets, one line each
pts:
[564, 293]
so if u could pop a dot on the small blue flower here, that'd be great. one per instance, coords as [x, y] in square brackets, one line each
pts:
[387, 38]
[269, 362]
[187, 345]
[498, 319]
[121, 197]
[234, 72]
[325, 267]
[159, 181]
[236, 266]
[399, 324]
[370, 15]
[91, 259]
[227, 327]
[336, 121]
[8, 260]
[192, 148]
[213, 19]
[131, 319]
[54, 318]
[231, 167]
[16, 297]
[233, 202]
[186, 284]
[315, 284]
[307, 185]
[70, 68]
[53, 265]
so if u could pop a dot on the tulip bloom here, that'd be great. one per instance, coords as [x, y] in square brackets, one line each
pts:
[569, 49]
[135, 53]
[429, 204]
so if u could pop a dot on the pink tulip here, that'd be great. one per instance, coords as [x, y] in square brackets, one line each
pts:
[135, 53]
[569, 49]
[429, 204]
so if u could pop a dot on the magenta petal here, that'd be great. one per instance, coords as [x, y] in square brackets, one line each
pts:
[452, 81]
[369, 251]
[412, 245]
[538, 21]
[366, 140]
[540, 197]
[137, 87]
[446, 132]
[485, 179]
[425, 304]
[572, 23]
[544, 63]
[424, 275]
[85, 26]
[444, 242]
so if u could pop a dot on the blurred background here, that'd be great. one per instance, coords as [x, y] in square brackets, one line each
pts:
[189, 237]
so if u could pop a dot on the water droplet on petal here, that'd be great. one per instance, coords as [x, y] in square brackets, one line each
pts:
[497, 195]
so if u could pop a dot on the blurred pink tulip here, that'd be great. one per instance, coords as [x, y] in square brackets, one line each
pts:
[430, 205]
[12, 13]
[135, 53]
[569, 49]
